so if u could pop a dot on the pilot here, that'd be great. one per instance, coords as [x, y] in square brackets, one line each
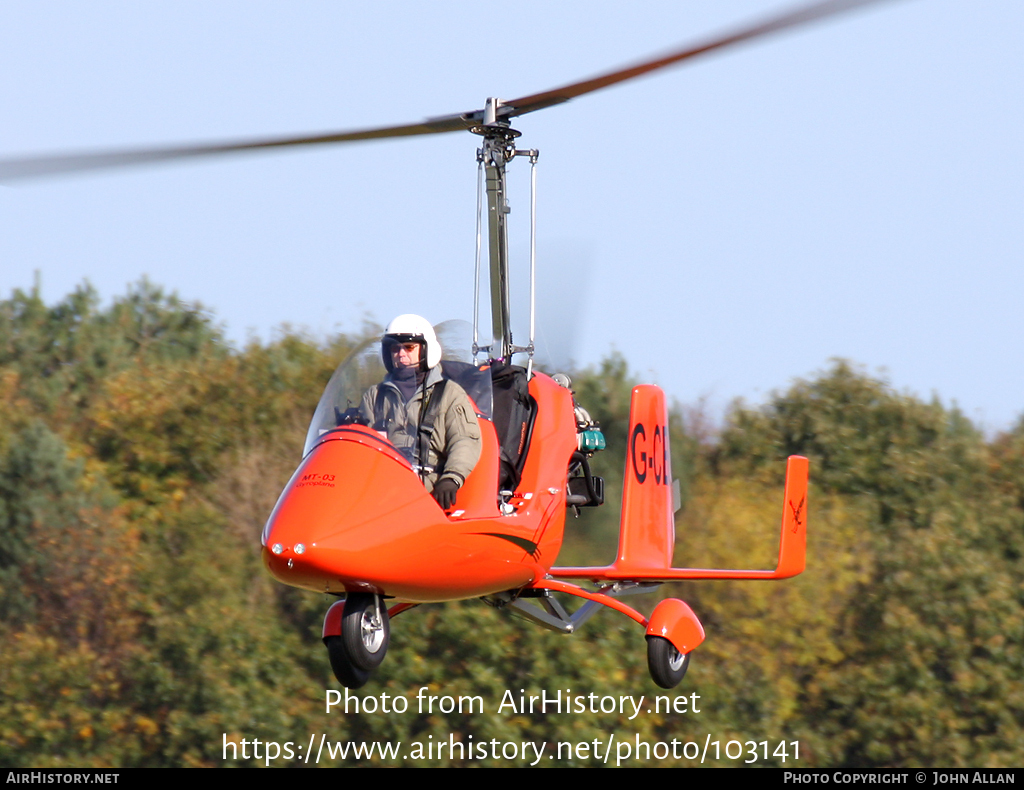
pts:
[428, 418]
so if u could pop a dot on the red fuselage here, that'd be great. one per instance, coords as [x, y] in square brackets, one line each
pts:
[355, 517]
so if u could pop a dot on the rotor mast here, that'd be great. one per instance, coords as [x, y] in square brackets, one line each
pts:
[497, 151]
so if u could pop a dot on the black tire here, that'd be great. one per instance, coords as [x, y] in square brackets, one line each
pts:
[666, 664]
[349, 676]
[365, 630]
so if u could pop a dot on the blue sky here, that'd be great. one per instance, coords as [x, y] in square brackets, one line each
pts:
[852, 189]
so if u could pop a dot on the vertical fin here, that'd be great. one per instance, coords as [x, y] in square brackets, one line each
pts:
[793, 542]
[647, 535]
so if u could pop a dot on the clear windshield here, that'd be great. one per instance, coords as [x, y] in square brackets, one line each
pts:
[356, 387]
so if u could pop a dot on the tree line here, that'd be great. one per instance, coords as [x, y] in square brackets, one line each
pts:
[140, 454]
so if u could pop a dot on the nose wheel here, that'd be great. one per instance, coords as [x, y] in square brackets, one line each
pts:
[666, 664]
[365, 632]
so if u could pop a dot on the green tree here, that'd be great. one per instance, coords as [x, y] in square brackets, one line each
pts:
[62, 353]
[63, 542]
[929, 670]
[66, 617]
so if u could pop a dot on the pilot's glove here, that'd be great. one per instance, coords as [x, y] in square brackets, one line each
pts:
[444, 492]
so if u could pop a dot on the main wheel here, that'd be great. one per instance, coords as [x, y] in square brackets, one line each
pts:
[666, 664]
[365, 630]
[349, 676]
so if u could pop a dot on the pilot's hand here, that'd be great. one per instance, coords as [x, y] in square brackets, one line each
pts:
[444, 492]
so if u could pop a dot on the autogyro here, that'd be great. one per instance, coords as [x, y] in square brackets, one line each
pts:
[356, 521]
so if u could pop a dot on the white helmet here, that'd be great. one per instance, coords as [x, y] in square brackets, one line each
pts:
[409, 328]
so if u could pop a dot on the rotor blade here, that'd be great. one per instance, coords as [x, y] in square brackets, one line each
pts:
[35, 167]
[538, 101]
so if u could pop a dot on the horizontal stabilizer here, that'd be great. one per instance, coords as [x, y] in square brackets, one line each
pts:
[792, 545]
